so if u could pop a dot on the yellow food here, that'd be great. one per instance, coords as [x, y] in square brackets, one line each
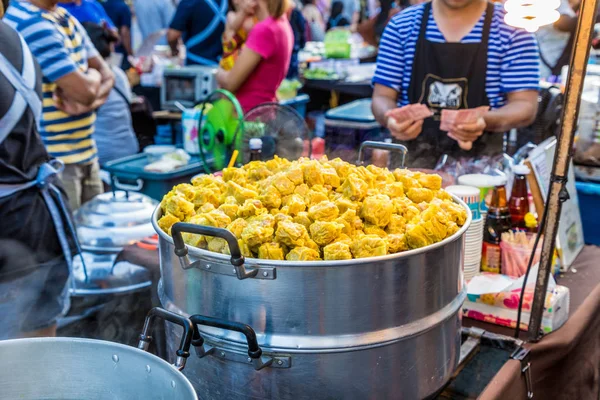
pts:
[303, 254]
[323, 232]
[271, 251]
[337, 251]
[324, 211]
[369, 246]
[291, 234]
[377, 210]
[309, 210]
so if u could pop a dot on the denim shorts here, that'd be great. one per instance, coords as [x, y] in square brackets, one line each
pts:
[34, 301]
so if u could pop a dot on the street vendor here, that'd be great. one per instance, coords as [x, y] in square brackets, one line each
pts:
[35, 235]
[455, 54]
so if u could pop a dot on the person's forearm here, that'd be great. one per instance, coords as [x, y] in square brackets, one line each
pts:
[107, 83]
[354, 22]
[173, 40]
[516, 114]
[223, 79]
[380, 106]
[79, 87]
[126, 40]
[566, 23]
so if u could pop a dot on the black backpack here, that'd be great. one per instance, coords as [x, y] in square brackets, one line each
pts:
[547, 120]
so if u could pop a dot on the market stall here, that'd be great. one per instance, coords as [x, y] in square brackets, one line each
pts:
[565, 363]
[289, 266]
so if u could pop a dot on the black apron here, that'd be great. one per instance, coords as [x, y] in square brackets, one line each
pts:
[449, 76]
[32, 203]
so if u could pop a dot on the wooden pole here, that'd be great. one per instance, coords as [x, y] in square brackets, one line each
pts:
[562, 158]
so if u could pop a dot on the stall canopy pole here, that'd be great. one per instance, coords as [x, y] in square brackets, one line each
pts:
[558, 192]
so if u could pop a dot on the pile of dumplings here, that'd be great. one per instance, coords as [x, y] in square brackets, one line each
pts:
[309, 210]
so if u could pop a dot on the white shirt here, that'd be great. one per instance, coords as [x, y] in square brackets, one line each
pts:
[552, 42]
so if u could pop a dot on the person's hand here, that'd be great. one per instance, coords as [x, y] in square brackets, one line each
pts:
[466, 134]
[70, 107]
[406, 130]
[249, 7]
[94, 74]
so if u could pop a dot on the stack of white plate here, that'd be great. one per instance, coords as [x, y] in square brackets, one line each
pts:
[473, 247]
[474, 235]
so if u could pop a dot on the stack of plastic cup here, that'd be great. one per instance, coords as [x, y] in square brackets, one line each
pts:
[485, 184]
[474, 235]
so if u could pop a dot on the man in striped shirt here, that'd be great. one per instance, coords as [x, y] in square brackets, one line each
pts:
[76, 81]
[455, 54]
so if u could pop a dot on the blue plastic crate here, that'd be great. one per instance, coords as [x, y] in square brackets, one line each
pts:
[130, 175]
[165, 132]
[162, 140]
[298, 103]
[589, 207]
[347, 126]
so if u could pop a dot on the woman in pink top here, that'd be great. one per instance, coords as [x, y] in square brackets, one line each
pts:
[265, 59]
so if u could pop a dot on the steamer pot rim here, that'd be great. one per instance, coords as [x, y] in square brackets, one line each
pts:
[212, 256]
[110, 347]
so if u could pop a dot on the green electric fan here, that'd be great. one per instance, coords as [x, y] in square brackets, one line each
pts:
[219, 130]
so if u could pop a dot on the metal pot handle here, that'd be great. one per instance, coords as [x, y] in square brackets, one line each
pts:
[255, 354]
[186, 339]
[237, 259]
[369, 144]
[117, 184]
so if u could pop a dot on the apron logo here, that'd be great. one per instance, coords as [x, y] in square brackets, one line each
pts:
[445, 95]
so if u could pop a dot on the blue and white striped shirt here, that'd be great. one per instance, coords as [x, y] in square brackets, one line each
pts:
[61, 46]
[513, 55]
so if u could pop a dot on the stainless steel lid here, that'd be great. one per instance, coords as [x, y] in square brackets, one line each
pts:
[111, 221]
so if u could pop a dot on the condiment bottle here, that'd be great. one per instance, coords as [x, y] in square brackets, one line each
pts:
[255, 145]
[498, 221]
[519, 200]
[531, 223]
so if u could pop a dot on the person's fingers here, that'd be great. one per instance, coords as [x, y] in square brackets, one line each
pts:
[463, 144]
[398, 127]
[465, 136]
[415, 129]
[406, 130]
[475, 127]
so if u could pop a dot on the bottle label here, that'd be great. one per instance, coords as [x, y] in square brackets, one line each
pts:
[491, 258]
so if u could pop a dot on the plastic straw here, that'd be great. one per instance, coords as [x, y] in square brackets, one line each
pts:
[234, 157]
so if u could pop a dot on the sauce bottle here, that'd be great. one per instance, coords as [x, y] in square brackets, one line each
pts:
[498, 221]
[519, 200]
[255, 145]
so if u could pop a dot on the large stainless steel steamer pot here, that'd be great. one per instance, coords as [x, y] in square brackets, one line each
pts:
[382, 327]
[85, 369]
